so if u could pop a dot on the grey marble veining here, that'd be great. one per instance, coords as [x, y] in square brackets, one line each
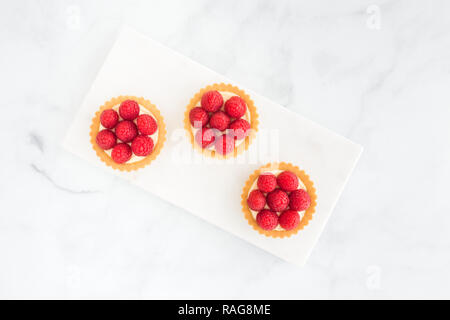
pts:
[377, 72]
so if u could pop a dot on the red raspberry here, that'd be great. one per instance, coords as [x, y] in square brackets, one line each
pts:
[289, 219]
[299, 200]
[126, 131]
[205, 137]
[235, 107]
[198, 117]
[267, 182]
[142, 146]
[109, 118]
[219, 121]
[267, 220]
[129, 109]
[121, 153]
[256, 200]
[106, 139]
[224, 144]
[240, 128]
[277, 200]
[212, 101]
[287, 181]
[146, 124]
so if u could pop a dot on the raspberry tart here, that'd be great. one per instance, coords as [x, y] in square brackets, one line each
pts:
[127, 133]
[278, 200]
[221, 121]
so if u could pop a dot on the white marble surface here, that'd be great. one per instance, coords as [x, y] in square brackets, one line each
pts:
[377, 72]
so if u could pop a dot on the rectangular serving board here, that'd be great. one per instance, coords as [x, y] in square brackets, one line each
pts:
[170, 80]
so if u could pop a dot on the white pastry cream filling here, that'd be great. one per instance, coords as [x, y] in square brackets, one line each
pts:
[227, 95]
[255, 186]
[154, 136]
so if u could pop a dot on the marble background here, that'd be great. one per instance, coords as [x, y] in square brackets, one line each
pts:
[377, 72]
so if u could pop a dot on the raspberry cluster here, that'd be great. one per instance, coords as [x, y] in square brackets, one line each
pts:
[278, 200]
[219, 123]
[131, 129]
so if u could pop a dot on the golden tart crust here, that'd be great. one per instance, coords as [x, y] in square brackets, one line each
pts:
[309, 188]
[138, 164]
[195, 101]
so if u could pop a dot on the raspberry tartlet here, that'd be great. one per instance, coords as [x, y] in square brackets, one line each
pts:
[221, 121]
[278, 200]
[127, 133]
